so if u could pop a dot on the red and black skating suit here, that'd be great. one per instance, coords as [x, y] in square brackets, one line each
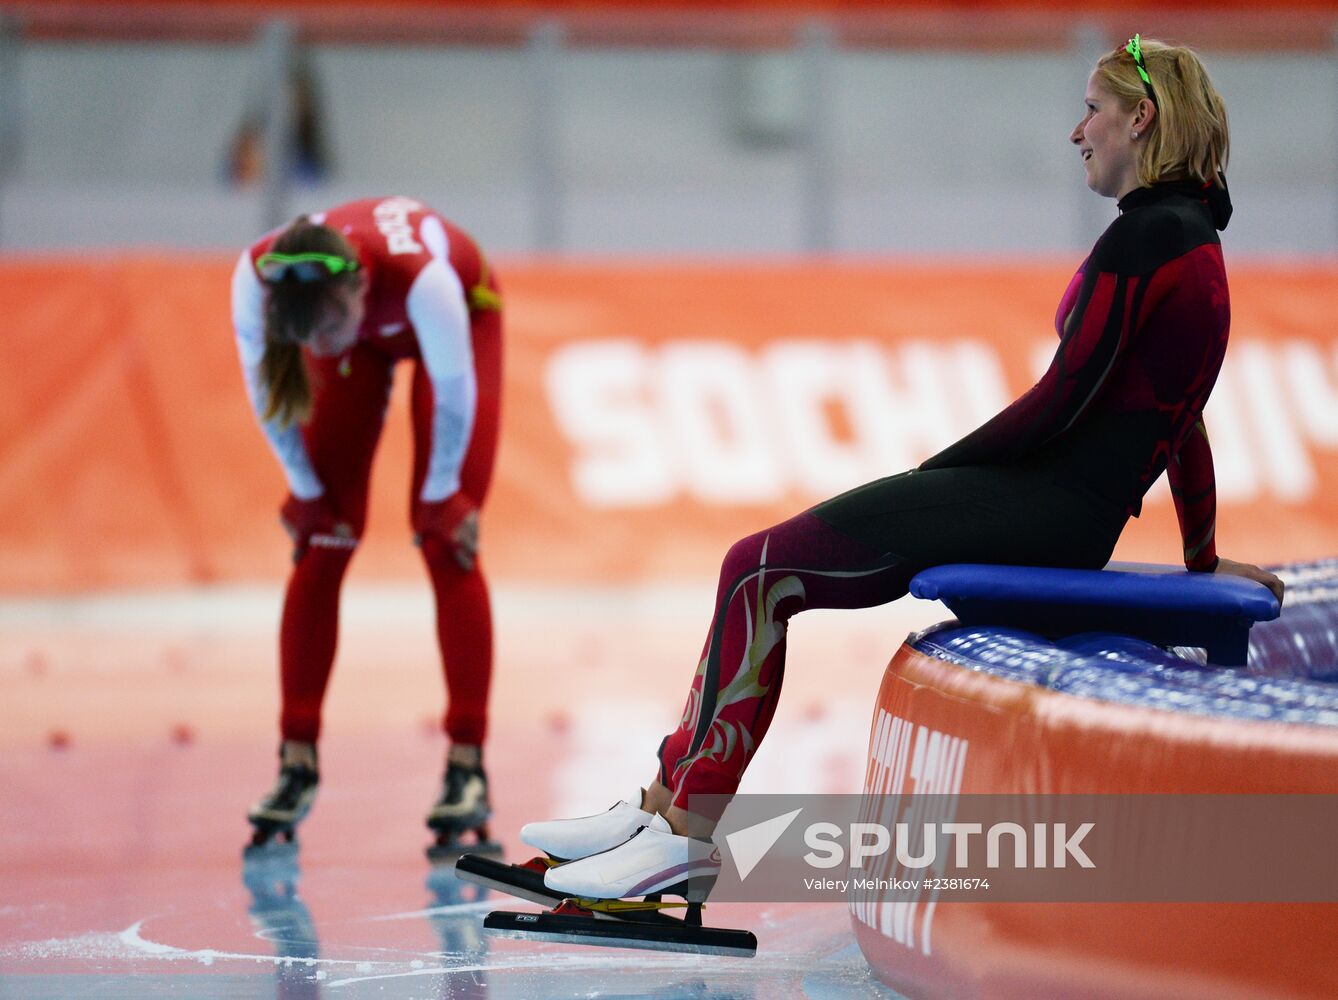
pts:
[432, 301]
[1049, 481]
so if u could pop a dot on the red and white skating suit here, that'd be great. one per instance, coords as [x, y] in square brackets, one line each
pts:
[431, 300]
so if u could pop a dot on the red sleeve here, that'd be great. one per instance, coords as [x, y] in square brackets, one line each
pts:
[1194, 490]
[1094, 333]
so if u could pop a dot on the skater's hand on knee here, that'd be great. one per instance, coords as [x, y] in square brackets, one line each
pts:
[454, 521]
[311, 522]
[465, 541]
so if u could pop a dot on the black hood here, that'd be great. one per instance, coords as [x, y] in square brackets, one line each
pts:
[1214, 194]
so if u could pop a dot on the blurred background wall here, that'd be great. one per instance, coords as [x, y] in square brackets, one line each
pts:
[754, 254]
[769, 128]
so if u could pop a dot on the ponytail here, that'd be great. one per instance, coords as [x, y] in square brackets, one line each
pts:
[287, 384]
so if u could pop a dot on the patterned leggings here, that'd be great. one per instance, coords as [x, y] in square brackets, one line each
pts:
[858, 551]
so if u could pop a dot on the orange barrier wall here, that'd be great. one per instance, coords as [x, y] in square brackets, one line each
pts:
[1016, 738]
[653, 413]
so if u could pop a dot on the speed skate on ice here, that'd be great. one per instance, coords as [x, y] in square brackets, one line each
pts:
[463, 808]
[604, 878]
[275, 817]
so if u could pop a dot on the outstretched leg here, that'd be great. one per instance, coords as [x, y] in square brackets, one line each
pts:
[858, 550]
[855, 551]
[764, 580]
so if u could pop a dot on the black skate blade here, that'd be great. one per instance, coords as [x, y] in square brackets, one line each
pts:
[528, 884]
[621, 933]
[270, 844]
[514, 880]
[445, 854]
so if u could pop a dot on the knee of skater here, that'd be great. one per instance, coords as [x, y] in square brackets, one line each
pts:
[343, 541]
[743, 555]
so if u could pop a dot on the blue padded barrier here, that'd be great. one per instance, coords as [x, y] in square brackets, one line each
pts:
[1008, 653]
[1158, 604]
[1121, 652]
[1302, 642]
[1156, 692]
[1163, 680]
[1222, 694]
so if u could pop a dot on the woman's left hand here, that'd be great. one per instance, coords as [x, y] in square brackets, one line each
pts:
[1251, 572]
[455, 521]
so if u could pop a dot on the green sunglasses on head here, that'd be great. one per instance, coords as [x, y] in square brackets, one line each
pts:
[305, 267]
[1135, 49]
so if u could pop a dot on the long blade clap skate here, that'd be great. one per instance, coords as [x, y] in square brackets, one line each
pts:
[569, 923]
[611, 895]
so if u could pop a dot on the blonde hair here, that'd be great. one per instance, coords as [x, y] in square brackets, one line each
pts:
[1188, 137]
[292, 308]
[287, 384]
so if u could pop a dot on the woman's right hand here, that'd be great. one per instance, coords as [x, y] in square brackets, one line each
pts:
[314, 518]
[1251, 572]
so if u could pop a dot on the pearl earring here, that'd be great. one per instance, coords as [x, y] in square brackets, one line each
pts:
[1135, 136]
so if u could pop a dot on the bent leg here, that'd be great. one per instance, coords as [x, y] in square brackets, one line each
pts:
[464, 637]
[464, 611]
[341, 439]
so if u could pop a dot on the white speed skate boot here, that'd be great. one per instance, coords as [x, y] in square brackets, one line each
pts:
[561, 841]
[652, 862]
[620, 853]
[567, 839]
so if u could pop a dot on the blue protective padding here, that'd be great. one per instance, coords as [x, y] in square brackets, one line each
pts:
[1008, 653]
[1156, 692]
[1302, 642]
[1225, 694]
[1120, 651]
[1162, 605]
[1159, 680]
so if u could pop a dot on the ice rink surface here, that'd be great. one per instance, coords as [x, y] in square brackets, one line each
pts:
[135, 731]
